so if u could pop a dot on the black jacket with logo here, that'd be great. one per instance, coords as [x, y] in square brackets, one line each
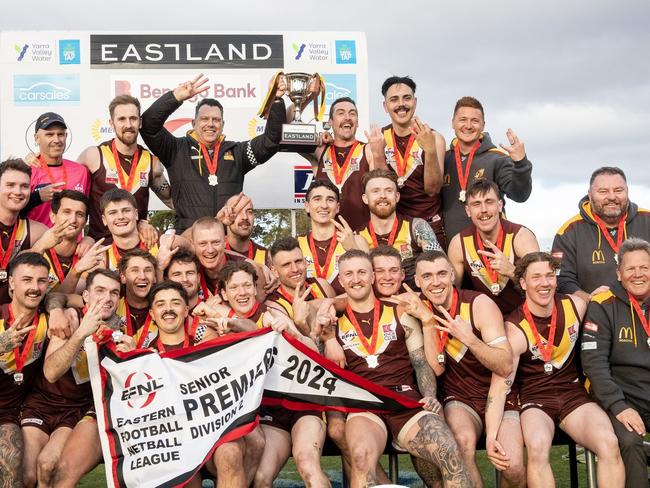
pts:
[586, 256]
[192, 195]
[491, 163]
[615, 353]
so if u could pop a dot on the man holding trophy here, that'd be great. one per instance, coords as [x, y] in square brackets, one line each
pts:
[204, 168]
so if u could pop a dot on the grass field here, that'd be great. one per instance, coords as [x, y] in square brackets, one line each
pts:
[289, 477]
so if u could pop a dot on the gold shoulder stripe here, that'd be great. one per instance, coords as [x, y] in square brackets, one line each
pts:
[602, 297]
[567, 224]
[498, 150]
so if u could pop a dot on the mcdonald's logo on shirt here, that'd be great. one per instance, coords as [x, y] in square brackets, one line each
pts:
[597, 257]
[625, 335]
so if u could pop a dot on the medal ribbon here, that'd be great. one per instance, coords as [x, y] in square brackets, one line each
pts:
[248, 315]
[443, 335]
[639, 312]
[161, 346]
[128, 185]
[116, 252]
[20, 357]
[289, 297]
[130, 330]
[56, 264]
[250, 249]
[5, 256]
[339, 172]
[50, 176]
[204, 286]
[212, 163]
[463, 176]
[619, 233]
[369, 346]
[321, 272]
[401, 161]
[194, 326]
[373, 236]
[492, 273]
[547, 350]
[145, 327]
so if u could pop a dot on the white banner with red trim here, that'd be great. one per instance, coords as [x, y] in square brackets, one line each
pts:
[161, 416]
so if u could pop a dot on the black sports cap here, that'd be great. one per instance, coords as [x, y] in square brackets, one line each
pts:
[47, 119]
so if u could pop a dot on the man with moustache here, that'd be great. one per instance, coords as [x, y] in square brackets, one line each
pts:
[204, 168]
[485, 253]
[472, 156]
[414, 152]
[345, 160]
[58, 422]
[238, 234]
[410, 236]
[616, 359]
[395, 359]
[16, 234]
[23, 334]
[587, 244]
[121, 162]
[327, 239]
[51, 172]
[543, 332]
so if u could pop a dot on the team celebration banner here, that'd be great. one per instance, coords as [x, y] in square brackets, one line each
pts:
[161, 416]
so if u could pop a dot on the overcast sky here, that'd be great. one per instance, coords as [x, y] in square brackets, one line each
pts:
[572, 78]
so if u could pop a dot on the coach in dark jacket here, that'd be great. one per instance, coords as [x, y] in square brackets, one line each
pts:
[205, 169]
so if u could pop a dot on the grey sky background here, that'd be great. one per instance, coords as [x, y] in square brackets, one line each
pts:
[572, 78]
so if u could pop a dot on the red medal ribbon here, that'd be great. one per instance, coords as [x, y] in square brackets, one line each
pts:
[288, 297]
[619, 232]
[130, 330]
[50, 176]
[204, 286]
[322, 272]
[145, 328]
[56, 264]
[369, 346]
[391, 236]
[212, 163]
[443, 335]
[639, 312]
[250, 249]
[494, 276]
[248, 315]
[5, 256]
[118, 255]
[400, 161]
[20, 357]
[463, 176]
[340, 171]
[547, 350]
[128, 185]
[194, 326]
[161, 346]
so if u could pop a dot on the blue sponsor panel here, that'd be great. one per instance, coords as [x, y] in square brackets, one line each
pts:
[346, 52]
[340, 85]
[302, 178]
[69, 51]
[44, 90]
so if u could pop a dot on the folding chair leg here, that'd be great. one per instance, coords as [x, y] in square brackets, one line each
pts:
[591, 469]
[573, 465]
[393, 469]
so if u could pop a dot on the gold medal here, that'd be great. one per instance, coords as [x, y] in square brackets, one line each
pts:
[213, 180]
[372, 361]
[548, 368]
[3, 274]
[441, 358]
[19, 378]
[495, 288]
[400, 181]
[461, 196]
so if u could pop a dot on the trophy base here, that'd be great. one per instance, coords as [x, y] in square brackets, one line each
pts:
[300, 138]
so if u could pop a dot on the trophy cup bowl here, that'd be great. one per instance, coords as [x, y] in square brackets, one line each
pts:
[298, 136]
[298, 92]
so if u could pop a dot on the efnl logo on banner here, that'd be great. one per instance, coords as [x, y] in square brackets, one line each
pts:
[302, 177]
[44, 90]
[339, 85]
[69, 51]
[346, 52]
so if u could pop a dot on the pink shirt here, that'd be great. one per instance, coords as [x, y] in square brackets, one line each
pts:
[75, 175]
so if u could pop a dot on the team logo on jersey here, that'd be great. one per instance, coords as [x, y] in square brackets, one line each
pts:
[389, 332]
[591, 326]
[479, 174]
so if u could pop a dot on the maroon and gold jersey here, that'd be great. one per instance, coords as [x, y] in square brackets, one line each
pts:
[60, 266]
[284, 297]
[256, 314]
[21, 241]
[329, 270]
[506, 297]
[402, 239]
[256, 253]
[12, 394]
[347, 180]
[530, 373]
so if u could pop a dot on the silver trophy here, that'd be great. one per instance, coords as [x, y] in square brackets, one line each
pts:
[298, 136]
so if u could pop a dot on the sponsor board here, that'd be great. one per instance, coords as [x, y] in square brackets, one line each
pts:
[101, 131]
[309, 51]
[230, 90]
[44, 90]
[69, 51]
[219, 51]
[302, 178]
[339, 85]
[255, 127]
[346, 52]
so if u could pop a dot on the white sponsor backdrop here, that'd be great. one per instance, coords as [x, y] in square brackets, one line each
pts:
[46, 71]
